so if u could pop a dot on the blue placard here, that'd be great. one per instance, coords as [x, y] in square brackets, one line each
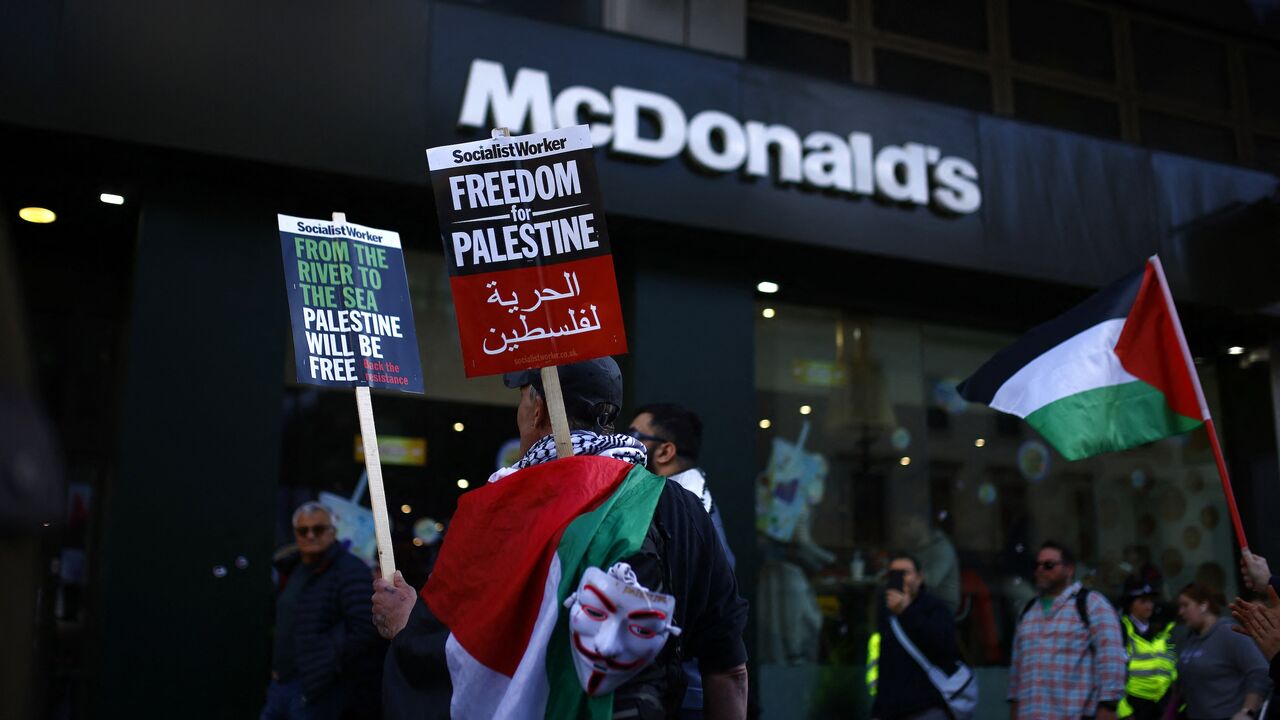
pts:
[349, 305]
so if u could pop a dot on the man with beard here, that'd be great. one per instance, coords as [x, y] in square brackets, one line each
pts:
[1068, 653]
[672, 436]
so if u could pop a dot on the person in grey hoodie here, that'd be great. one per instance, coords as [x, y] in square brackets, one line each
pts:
[1221, 674]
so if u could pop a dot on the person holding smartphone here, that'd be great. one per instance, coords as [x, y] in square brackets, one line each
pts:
[903, 690]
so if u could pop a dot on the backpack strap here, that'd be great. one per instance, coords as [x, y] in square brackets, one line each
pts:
[657, 690]
[1082, 607]
[1027, 608]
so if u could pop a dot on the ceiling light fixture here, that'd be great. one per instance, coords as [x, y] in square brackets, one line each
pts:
[37, 215]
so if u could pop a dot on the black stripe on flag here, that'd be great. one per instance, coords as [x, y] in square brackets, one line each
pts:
[1113, 301]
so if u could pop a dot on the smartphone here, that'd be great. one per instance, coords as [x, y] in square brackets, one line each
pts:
[895, 580]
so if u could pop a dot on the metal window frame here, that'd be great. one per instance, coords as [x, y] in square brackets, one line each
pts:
[997, 62]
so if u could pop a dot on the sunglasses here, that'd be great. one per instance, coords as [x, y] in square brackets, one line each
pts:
[313, 530]
[1048, 564]
[645, 436]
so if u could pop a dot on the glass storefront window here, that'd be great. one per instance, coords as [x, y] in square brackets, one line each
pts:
[867, 449]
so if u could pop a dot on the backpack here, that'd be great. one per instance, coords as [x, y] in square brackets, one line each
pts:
[1082, 609]
[656, 692]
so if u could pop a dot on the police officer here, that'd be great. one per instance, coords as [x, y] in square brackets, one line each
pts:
[1153, 663]
[872, 676]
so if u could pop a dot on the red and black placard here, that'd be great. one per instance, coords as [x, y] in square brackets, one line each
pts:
[527, 249]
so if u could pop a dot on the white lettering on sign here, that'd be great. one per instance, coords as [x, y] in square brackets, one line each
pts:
[912, 173]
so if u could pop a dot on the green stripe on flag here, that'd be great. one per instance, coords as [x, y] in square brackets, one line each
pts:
[1109, 418]
[599, 538]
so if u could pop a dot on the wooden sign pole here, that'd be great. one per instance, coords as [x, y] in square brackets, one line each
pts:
[555, 405]
[373, 468]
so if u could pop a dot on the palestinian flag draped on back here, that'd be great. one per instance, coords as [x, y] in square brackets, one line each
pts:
[1110, 374]
[515, 550]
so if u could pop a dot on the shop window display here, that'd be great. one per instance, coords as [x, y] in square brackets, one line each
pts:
[865, 448]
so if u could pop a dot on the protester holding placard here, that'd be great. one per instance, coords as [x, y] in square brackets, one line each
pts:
[492, 543]
[531, 275]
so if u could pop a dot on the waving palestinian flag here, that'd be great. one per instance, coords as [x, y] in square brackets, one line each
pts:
[1110, 374]
[513, 553]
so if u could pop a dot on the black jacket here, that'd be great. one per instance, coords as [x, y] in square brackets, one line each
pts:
[335, 643]
[903, 687]
[415, 679]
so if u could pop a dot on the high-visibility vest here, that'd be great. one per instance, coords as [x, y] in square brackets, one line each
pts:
[1153, 665]
[873, 663]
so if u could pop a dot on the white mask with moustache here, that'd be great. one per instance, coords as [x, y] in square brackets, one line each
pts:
[616, 627]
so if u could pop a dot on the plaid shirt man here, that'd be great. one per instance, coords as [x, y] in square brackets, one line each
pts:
[1060, 669]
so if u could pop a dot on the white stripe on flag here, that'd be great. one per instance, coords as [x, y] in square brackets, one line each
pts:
[476, 688]
[481, 693]
[1084, 362]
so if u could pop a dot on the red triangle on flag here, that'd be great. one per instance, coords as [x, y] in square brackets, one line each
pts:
[1151, 348]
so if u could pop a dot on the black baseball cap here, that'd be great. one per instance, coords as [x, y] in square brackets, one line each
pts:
[587, 387]
[1134, 588]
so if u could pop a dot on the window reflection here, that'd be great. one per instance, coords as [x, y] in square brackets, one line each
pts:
[870, 450]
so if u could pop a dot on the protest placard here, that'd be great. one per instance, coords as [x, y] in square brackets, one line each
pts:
[352, 327]
[349, 305]
[528, 253]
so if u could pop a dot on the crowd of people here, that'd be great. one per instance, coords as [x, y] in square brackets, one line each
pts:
[339, 652]
[1075, 655]
[701, 672]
